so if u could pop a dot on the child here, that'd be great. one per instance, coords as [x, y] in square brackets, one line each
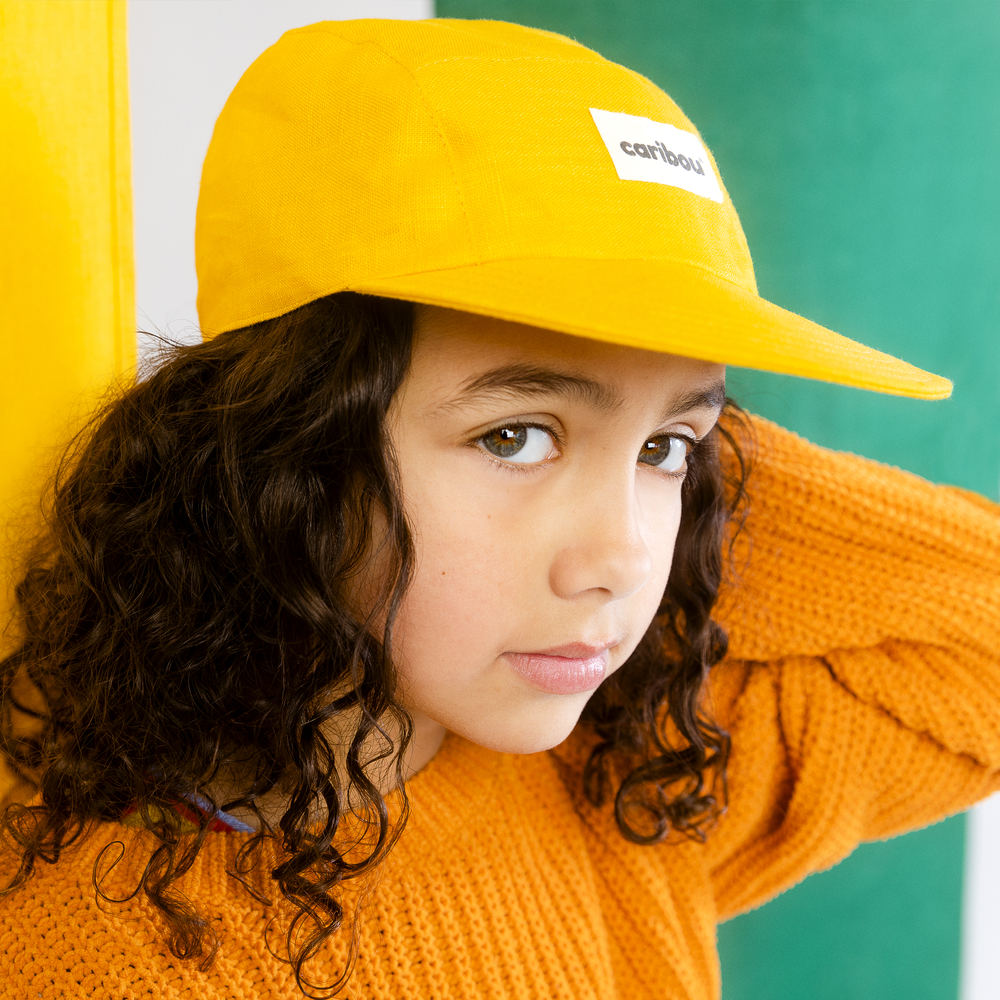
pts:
[384, 643]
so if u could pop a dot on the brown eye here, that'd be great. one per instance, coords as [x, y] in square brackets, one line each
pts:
[505, 442]
[666, 452]
[518, 443]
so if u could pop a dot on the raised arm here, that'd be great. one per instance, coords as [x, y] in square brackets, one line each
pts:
[862, 688]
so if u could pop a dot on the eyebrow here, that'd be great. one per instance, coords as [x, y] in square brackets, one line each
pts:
[520, 380]
[712, 397]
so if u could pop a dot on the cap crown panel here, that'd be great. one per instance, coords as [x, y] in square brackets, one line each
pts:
[418, 146]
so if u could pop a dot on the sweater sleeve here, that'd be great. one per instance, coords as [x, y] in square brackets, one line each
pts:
[862, 684]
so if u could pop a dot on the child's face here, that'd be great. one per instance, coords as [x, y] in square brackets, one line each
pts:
[536, 525]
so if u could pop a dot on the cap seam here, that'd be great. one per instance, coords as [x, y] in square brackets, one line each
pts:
[444, 141]
[315, 29]
[268, 314]
[500, 260]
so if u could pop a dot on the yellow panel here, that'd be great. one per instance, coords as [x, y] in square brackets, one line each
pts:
[67, 326]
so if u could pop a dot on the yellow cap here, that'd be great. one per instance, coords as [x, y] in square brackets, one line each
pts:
[497, 169]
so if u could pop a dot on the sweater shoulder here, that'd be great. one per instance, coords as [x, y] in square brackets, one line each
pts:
[81, 927]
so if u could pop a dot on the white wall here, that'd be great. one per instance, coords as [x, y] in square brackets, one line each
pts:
[185, 56]
[981, 904]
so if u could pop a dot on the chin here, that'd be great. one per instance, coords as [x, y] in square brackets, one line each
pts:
[522, 737]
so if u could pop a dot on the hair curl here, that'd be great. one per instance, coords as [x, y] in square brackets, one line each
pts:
[194, 578]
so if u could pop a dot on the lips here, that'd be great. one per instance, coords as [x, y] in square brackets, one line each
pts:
[569, 669]
[573, 650]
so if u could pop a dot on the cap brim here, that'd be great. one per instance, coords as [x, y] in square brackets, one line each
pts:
[661, 306]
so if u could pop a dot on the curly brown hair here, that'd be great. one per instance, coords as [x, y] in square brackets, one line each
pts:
[203, 533]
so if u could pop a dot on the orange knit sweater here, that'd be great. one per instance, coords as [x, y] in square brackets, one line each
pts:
[861, 691]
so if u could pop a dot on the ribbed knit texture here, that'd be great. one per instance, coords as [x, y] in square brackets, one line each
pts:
[862, 691]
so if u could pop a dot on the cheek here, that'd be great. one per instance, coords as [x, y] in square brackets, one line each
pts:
[469, 584]
[458, 582]
[659, 518]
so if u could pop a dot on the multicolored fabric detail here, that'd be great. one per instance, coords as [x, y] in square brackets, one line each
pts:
[191, 810]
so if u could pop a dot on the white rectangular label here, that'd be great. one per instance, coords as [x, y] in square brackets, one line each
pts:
[644, 150]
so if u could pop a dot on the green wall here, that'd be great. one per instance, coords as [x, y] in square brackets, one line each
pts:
[860, 140]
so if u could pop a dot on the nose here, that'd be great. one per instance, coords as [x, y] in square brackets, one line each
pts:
[602, 545]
